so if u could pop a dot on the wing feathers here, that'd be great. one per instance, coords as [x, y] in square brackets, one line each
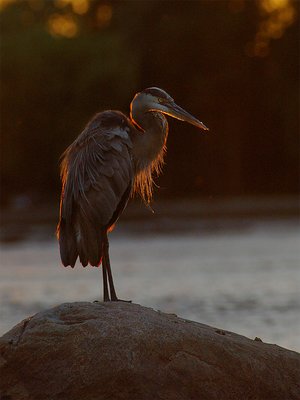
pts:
[97, 173]
[67, 243]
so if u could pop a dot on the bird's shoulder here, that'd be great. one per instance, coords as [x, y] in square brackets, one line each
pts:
[100, 156]
[97, 168]
[106, 136]
[105, 126]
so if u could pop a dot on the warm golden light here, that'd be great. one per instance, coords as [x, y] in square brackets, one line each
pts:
[62, 25]
[78, 6]
[277, 16]
[5, 3]
[273, 5]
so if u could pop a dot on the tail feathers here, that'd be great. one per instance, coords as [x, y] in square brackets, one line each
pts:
[67, 243]
[89, 244]
[84, 241]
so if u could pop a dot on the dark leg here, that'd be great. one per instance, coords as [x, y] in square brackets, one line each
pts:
[106, 264]
[105, 284]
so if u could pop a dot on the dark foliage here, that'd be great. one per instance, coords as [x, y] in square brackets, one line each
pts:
[195, 50]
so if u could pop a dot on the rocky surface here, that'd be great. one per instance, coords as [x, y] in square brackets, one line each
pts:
[114, 351]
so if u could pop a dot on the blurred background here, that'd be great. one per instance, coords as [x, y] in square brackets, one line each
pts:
[222, 246]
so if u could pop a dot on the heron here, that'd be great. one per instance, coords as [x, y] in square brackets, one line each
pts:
[114, 157]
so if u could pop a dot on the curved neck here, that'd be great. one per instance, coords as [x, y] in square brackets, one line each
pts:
[150, 142]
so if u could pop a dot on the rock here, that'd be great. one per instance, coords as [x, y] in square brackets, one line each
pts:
[115, 351]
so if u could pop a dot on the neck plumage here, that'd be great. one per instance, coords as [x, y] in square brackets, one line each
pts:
[149, 146]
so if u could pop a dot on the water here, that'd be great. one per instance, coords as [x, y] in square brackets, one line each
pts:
[244, 278]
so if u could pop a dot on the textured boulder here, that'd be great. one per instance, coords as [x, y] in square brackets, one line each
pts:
[125, 351]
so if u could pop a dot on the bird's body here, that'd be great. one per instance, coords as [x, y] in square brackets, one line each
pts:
[113, 157]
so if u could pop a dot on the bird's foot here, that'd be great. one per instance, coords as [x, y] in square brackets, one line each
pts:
[124, 301]
[108, 300]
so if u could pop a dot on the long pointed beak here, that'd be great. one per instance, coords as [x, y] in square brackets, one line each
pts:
[173, 110]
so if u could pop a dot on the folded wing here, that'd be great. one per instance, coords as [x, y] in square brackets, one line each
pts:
[97, 176]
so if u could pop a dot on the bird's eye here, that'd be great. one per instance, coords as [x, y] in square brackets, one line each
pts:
[160, 100]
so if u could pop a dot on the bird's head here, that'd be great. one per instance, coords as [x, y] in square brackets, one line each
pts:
[155, 99]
